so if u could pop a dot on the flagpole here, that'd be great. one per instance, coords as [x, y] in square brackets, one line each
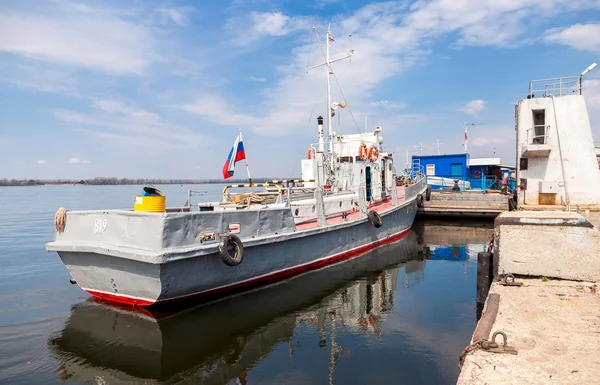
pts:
[466, 137]
[246, 159]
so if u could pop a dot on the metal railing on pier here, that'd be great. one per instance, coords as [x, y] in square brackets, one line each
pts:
[470, 182]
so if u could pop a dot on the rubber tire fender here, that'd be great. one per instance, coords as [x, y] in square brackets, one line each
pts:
[375, 218]
[420, 201]
[238, 250]
[428, 194]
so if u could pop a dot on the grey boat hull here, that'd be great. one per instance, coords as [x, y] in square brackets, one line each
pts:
[147, 346]
[150, 258]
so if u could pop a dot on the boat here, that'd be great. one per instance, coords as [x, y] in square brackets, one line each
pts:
[347, 203]
[211, 343]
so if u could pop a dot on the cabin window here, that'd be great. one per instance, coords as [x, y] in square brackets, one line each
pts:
[539, 127]
[345, 159]
[431, 169]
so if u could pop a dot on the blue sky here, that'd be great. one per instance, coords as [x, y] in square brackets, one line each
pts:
[160, 88]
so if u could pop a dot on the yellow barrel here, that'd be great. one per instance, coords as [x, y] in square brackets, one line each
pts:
[152, 204]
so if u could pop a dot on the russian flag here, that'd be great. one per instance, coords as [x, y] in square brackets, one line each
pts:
[236, 154]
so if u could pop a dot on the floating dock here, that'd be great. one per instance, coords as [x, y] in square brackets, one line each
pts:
[468, 204]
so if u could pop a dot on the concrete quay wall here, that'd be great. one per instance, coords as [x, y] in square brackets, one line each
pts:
[562, 245]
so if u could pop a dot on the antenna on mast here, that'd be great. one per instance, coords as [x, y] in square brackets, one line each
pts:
[329, 70]
[437, 143]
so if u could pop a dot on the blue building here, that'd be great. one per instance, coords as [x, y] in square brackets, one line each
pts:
[446, 171]
[447, 166]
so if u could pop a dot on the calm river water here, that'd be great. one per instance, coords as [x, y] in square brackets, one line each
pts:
[401, 314]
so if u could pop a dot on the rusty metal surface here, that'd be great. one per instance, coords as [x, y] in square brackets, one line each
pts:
[484, 327]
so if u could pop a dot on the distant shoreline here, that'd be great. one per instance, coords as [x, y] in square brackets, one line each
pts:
[122, 182]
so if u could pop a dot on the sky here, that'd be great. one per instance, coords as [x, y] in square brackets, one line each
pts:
[159, 89]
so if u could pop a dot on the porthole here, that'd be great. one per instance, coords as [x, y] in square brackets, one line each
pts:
[296, 212]
[314, 209]
[340, 204]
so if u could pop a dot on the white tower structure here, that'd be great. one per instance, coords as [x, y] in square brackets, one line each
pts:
[556, 160]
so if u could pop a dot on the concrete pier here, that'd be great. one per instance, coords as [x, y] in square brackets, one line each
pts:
[465, 204]
[553, 318]
[555, 327]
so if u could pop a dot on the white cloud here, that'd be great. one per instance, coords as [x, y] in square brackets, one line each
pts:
[77, 36]
[255, 79]
[488, 22]
[135, 126]
[487, 140]
[591, 91]
[179, 15]
[38, 78]
[250, 28]
[387, 105]
[388, 38]
[216, 109]
[583, 37]
[272, 23]
[78, 160]
[41, 162]
[473, 107]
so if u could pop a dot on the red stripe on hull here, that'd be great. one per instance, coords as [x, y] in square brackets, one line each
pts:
[256, 282]
[120, 298]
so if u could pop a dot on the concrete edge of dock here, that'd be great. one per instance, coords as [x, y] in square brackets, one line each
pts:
[551, 314]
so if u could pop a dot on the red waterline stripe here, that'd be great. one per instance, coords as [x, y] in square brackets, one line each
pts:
[120, 298]
[256, 282]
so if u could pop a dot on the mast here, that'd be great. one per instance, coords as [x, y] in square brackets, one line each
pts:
[329, 109]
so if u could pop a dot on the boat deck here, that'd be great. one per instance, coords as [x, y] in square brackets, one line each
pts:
[335, 219]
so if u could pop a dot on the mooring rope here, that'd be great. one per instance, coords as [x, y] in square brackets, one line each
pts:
[60, 219]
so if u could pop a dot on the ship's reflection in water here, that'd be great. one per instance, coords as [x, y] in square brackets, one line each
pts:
[373, 319]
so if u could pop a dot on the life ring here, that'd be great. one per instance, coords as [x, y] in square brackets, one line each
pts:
[373, 153]
[362, 151]
[375, 218]
[310, 152]
[476, 174]
[231, 244]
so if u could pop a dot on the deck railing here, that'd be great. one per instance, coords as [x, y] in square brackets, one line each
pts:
[538, 134]
[543, 88]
